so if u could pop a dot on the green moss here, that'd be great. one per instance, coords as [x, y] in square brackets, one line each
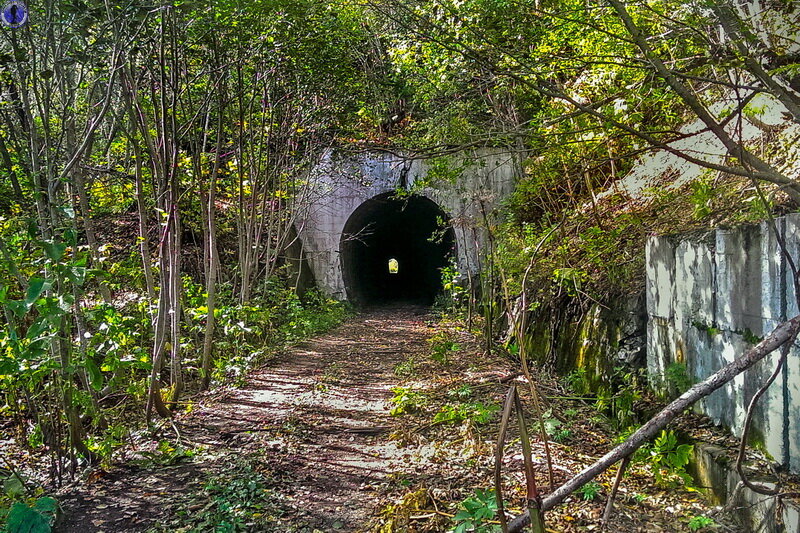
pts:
[750, 337]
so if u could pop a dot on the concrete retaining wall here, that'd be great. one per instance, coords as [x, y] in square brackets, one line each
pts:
[710, 297]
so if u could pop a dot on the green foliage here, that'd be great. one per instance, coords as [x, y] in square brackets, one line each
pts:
[34, 518]
[166, 454]
[668, 460]
[476, 412]
[751, 337]
[711, 330]
[702, 198]
[589, 491]
[455, 293]
[555, 428]
[237, 501]
[570, 279]
[620, 403]
[462, 392]
[677, 378]
[475, 513]
[443, 346]
[405, 368]
[578, 380]
[406, 401]
[696, 523]
[251, 332]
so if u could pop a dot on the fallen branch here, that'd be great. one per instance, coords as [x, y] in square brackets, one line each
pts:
[782, 334]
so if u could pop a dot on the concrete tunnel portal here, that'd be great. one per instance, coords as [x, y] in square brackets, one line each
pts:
[393, 250]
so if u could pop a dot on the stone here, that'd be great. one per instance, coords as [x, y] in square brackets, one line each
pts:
[660, 287]
[711, 298]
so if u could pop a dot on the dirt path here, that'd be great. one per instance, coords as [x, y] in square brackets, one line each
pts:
[317, 420]
[308, 445]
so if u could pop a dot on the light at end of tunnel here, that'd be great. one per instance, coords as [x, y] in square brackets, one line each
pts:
[394, 266]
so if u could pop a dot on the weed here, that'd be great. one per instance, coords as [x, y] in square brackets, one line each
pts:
[34, 518]
[562, 435]
[478, 413]
[759, 209]
[677, 378]
[442, 346]
[751, 337]
[668, 460]
[578, 380]
[235, 501]
[165, 454]
[570, 279]
[620, 404]
[555, 428]
[475, 512]
[461, 393]
[455, 293]
[406, 401]
[589, 491]
[405, 369]
[551, 424]
[295, 427]
[702, 197]
[711, 330]
[333, 373]
[696, 523]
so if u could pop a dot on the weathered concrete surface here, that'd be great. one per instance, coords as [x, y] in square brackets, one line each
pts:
[710, 297]
[342, 182]
[711, 467]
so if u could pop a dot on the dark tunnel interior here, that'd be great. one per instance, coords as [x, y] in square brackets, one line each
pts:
[393, 249]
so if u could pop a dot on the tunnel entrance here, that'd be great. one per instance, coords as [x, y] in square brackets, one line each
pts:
[393, 249]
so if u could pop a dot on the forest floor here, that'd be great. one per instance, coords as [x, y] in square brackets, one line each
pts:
[309, 444]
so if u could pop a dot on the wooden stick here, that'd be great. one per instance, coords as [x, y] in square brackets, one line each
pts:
[610, 504]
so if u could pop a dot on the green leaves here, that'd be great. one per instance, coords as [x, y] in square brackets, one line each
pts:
[95, 376]
[36, 519]
[13, 487]
[54, 250]
[476, 412]
[475, 511]
[36, 286]
[668, 460]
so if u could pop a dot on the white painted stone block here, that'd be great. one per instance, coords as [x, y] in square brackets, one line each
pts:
[772, 276]
[694, 285]
[793, 408]
[660, 350]
[791, 517]
[792, 232]
[660, 264]
[739, 280]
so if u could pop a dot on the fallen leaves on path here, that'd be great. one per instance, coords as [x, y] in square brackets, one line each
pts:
[308, 444]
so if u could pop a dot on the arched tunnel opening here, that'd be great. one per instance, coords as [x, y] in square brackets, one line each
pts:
[393, 250]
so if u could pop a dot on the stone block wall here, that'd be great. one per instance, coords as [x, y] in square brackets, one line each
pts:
[711, 297]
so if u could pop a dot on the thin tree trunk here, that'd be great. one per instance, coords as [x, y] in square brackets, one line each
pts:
[211, 253]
